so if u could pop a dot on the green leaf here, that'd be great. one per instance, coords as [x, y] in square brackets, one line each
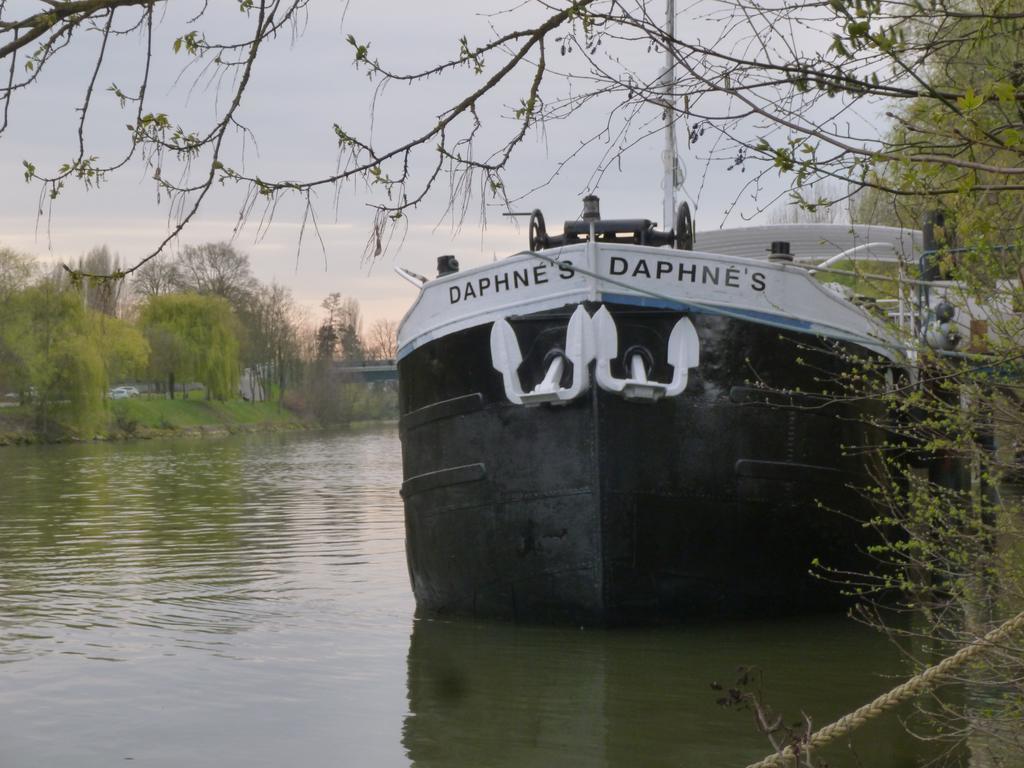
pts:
[1005, 91]
[970, 100]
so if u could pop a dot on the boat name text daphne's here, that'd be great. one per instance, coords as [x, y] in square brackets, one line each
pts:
[618, 266]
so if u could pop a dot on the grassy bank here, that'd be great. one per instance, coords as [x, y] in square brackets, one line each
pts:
[158, 414]
[193, 415]
[153, 417]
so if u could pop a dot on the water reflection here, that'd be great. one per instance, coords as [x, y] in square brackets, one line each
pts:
[244, 601]
[195, 538]
[237, 601]
[627, 698]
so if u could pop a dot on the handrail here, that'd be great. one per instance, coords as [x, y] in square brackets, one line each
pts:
[849, 252]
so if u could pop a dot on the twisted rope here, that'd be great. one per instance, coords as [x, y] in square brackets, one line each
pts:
[911, 688]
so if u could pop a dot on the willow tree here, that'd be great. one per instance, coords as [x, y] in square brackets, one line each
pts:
[193, 338]
[123, 347]
[55, 356]
[56, 350]
[17, 271]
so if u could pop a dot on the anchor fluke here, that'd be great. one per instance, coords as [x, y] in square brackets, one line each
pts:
[683, 353]
[506, 357]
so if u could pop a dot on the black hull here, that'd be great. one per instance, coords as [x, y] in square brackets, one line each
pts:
[605, 511]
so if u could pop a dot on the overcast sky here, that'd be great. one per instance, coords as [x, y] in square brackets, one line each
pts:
[300, 89]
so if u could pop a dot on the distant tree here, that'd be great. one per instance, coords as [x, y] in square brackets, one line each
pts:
[216, 269]
[100, 294]
[17, 270]
[156, 277]
[168, 354]
[350, 341]
[271, 346]
[326, 341]
[382, 340]
[332, 304]
[193, 338]
[345, 323]
[327, 333]
[123, 347]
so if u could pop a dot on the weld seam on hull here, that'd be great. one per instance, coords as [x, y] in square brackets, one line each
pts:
[456, 406]
[442, 478]
[788, 470]
[496, 503]
[511, 498]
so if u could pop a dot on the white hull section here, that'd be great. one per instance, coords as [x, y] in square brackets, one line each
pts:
[769, 293]
[817, 242]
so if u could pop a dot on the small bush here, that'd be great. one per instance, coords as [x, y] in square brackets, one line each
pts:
[126, 425]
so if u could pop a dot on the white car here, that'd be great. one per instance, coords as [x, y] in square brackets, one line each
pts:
[122, 393]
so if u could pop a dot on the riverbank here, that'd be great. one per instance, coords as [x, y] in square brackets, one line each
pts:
[192, 415]
[143, 418]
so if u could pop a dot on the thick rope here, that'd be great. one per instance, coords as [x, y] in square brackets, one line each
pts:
[913, 687]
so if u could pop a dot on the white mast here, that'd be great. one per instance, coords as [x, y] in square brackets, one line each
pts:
[668, 155]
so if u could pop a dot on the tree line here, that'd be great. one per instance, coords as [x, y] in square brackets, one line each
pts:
[200, 317]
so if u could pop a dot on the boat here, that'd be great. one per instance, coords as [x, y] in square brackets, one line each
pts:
[614, 426]
[620, 425]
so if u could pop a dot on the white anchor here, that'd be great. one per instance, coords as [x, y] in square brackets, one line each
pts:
[588, 338]
[507, 357]
[683, 354]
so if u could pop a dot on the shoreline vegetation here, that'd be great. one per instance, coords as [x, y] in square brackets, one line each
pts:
[145, 418]
[103, 357]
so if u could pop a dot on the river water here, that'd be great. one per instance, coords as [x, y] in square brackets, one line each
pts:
[243, 601]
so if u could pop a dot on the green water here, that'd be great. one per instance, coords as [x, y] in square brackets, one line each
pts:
[244, 602]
